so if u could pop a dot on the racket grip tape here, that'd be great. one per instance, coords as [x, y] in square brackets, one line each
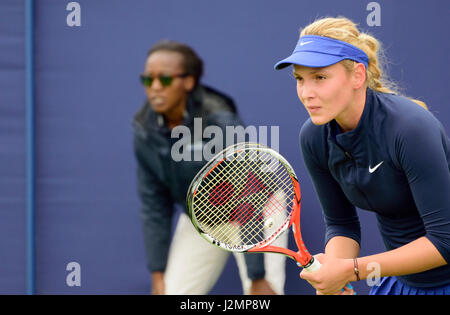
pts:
[314, 265]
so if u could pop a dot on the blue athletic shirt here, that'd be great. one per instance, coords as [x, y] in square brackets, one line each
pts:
[396, 163]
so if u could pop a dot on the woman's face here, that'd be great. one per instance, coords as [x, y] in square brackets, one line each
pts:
[327, 93]
[166, 99]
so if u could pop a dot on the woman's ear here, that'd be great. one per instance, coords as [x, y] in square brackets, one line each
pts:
[189, 83]
[359, 75]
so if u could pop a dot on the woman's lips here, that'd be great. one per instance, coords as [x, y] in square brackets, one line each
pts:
[313, 109]
[157, 101]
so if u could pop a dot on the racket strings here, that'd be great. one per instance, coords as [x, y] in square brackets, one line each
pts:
[211, 181]
[220, 176]
[250, 188]
[230, 171]
[253, 230]
[236, 212]
[224, 173]
[271, 210]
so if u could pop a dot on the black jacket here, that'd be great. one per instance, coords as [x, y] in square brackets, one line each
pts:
[163, 181]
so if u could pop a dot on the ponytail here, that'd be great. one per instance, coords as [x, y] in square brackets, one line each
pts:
[346, 30]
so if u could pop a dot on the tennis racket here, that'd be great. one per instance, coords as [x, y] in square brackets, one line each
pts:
[244, 198]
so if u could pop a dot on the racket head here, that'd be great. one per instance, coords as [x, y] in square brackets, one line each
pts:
[244, 197]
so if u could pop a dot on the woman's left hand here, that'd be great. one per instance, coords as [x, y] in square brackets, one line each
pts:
[333, 275]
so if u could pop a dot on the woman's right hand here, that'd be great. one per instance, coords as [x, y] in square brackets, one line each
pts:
[158, 286]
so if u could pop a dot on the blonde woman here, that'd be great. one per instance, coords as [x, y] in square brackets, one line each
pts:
[366, 146]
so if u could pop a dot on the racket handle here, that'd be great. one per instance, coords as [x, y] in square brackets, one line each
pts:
[314, 266]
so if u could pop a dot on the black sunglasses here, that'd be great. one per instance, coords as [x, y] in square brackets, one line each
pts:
[165, 80]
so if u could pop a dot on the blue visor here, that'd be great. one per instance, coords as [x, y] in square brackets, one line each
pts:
[319, 51]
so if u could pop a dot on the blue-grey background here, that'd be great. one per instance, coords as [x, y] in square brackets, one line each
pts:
[87, 91]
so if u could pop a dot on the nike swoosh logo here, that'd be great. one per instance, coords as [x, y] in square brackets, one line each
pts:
[304, 43]
[373, 169]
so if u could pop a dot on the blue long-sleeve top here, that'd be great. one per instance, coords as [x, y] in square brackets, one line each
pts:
[395, 163]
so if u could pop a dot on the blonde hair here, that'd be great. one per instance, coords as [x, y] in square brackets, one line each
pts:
[343, 29]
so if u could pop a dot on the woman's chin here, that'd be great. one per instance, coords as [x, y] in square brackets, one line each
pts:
[317, 120]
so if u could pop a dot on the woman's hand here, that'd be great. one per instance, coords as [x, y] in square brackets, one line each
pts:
[347, 290]
[158, 286]
[333, 275]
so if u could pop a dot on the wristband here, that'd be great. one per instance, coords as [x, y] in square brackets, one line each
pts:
[355, 265]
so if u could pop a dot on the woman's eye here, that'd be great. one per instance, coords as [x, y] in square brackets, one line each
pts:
[320, 77]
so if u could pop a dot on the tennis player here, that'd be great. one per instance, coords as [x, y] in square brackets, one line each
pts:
[366, 146]
[186, 263]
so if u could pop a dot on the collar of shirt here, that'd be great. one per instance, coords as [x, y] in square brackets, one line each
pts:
[351, 139]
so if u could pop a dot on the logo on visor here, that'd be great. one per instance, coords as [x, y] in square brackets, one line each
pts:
[304, 43]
